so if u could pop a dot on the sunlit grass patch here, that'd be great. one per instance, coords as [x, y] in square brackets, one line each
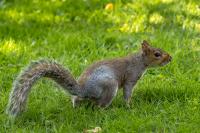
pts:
[134, 24]
[195, 44]
[197, 26]
[191, 24]
[14, 15]
[10, 46]
[156, 18]
[193, 8]
[21, 16]
[167, 1]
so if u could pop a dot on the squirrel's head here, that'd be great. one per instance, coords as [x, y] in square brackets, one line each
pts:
[154, 56]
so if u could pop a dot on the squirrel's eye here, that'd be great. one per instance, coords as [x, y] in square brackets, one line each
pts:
[157, 54]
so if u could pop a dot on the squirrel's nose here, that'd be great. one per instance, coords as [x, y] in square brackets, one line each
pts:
[170, 58]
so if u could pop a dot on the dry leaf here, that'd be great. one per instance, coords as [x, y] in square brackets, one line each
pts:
[95, 130]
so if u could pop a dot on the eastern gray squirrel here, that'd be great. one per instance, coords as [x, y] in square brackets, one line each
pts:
[98, 83]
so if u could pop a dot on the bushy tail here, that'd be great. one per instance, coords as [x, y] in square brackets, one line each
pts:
[35, 71]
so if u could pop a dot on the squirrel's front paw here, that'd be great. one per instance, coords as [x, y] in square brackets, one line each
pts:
[128, 105]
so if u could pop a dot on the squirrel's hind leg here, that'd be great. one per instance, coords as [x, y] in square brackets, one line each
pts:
[110, 88]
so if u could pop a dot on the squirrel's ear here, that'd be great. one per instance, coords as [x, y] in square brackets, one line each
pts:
[145, 47]
[145, 43]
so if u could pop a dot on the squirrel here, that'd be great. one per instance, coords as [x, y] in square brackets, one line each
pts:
[98, 83]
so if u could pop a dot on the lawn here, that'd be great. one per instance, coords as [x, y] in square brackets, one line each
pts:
[78, 32]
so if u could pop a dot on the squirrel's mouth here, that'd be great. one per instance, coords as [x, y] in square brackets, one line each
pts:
[166, 62]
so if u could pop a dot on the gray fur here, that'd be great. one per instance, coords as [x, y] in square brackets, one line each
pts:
[96, 82]
[29, 76]
[102, 86]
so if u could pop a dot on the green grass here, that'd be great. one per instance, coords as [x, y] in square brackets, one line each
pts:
[78, 33]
